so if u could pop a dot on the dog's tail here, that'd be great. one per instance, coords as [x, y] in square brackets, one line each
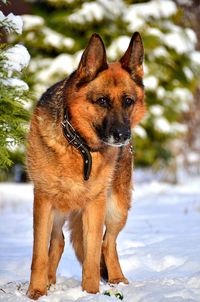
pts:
[76, 233]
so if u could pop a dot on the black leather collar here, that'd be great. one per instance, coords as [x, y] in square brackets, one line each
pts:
[75, 140]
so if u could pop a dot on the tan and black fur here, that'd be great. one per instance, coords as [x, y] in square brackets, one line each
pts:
[104, 102]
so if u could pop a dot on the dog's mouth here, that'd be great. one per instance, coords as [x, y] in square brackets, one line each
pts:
[111, 142]
[117, 145]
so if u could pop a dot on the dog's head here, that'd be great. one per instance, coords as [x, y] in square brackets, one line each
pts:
[107, 100]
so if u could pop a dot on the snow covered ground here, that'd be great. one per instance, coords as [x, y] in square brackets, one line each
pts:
[159, 248]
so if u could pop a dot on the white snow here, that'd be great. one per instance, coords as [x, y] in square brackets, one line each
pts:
[179, 41]
[161, 124]
[17, 58]
[88, 12]
[160, 52]
[113, 8]
[183, 94]
[55, 39]
[31, 21]
[117, 47]
[51, 37]
[156, 110]
[189, 73]
[64, 64]
[11, 22]
[160, 92]
[150, 82]
[179, 128]
[14, 82]
[157, 8]
[159, 247]
[191, 35]
[154, 31]
[97, 10]
[137, 14]
[195, 57]
[182, 40]
[140, 131]
[193, 157]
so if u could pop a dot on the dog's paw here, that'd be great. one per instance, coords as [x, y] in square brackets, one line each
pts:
[90, 290]
[51, 280]
[35, 294]
[90, 286]
[118, 280]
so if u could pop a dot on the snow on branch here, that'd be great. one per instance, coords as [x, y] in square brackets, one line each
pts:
[11, 23]
[16, 59]
[13, 90]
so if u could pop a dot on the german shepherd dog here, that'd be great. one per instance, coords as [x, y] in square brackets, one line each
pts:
[79, 159]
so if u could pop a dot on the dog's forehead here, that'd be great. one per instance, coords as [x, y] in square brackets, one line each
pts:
[115, 78]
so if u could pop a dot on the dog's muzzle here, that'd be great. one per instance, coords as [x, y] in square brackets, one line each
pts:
[121, 135]
[114, 133]
[118, 138]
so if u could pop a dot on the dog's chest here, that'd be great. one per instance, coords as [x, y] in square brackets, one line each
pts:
[67, 186]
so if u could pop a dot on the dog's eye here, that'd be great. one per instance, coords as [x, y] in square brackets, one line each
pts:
[128, 101]
[103, 102]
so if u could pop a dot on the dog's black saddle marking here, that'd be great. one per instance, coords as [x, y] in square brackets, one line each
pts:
[75, 140]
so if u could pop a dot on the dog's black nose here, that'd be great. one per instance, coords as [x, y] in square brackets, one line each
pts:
[120, 135]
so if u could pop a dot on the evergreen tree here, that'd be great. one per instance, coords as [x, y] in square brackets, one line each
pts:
[59, 30]
[191, 157]
[13, 90]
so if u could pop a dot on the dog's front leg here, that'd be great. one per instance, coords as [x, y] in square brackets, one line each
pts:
[93, 220]
[118, 203]
[109, 250]
[42, 220]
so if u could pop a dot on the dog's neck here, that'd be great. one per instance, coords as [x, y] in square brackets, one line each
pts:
[74, 138]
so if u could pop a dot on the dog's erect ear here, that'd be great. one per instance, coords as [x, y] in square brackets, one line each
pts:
[133, 58]
[93, 59]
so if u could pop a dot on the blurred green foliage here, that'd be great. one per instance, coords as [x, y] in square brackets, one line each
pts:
[14, 116]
